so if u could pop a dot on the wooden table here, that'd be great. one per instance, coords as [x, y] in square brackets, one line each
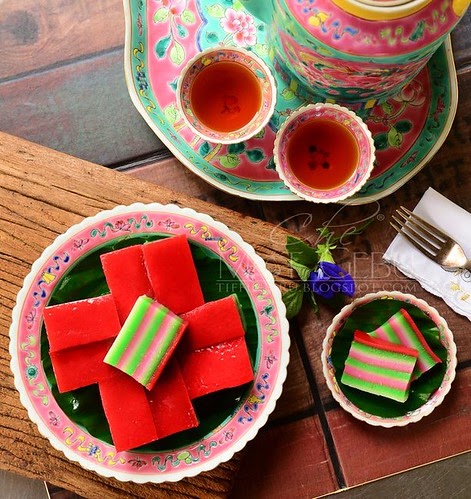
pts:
[55, 54]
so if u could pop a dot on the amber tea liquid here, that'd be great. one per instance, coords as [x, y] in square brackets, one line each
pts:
[225, 96]
[322, 154]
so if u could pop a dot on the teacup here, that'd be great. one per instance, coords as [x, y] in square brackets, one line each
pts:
[324, 153]
[226, 94]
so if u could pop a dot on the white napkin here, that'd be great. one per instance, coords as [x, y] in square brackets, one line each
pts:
[453, 287]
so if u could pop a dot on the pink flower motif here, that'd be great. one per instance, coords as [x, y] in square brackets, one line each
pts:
[413, 93]
[176, 7]
[241, 26]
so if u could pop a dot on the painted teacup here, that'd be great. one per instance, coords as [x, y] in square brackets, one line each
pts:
[324, 153]
[226, 94]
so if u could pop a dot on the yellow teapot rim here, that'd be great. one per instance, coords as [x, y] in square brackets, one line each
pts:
[381, 10]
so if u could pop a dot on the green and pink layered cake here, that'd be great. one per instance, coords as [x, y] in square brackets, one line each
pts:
[401, 329]
[146, 341]
[379, 367]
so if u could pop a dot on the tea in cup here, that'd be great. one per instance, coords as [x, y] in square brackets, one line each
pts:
[226, 94]
[324, 153]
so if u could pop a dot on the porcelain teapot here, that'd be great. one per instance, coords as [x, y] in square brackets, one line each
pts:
[354, 51]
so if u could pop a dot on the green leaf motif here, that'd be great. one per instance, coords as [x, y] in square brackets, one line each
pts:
[236, 148]
[261, 49]
[301, 252]
[229, 161]
[216, 10]
[395, 138]
[381, 141]
[255, 155]
[260, 134]
[403, 126]
[293, 300]
[162, 46]
[204, 149]
[275, 121]
[177, 54]
[161, 15]
[187, 17]
[212, 37]
[171, 114]
[173, 84]
[288, 94]
[387, 108]
[302, 271]
[182, 31]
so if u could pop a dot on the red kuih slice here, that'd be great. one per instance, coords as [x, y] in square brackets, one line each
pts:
[172, 273]
[127, 411]
[170, 404]
[225, 365]
[211, 323]
[126, 276]
[82, 365]
[81, 322]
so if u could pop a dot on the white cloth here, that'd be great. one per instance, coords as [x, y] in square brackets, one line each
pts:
[453, 287]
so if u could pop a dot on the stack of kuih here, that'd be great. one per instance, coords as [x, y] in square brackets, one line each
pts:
[152, 344]
[387, 360]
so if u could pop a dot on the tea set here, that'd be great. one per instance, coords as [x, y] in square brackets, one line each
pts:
[408, 127]
[356, 53]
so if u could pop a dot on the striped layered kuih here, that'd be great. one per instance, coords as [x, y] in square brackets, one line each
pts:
[402, 330]
[146, 341]
[379, 367]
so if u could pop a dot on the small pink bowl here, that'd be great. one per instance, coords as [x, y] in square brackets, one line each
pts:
[353, 125]
[246, 59]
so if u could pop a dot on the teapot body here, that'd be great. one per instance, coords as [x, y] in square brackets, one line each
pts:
[354, 51]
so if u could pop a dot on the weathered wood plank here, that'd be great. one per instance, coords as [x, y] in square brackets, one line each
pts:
[174, 175]
[38, 34]
[83, 109]
[42, 192]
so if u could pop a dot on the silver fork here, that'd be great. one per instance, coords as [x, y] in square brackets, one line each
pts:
[431, 241]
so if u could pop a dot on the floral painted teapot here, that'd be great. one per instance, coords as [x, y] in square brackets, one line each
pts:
[354, 51]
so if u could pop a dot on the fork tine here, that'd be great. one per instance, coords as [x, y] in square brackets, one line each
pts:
[421, 233]
[418, 241]
[436, 232]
